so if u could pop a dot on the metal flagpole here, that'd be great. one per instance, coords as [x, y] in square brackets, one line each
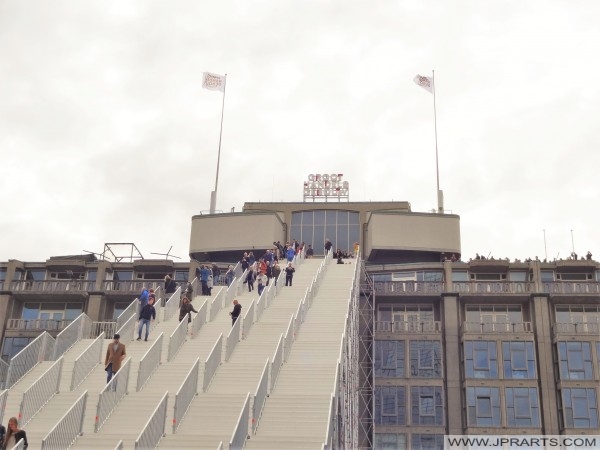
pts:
[213, 194]
[440, 194]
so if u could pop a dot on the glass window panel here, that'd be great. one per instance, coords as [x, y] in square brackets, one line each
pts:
[426, 406]
[296, 219]
[330, 217]
[460, 275]
[330, 233]
[425, 359]
[73, 311]
[296, 231]
[353, 235]
[427, 442]
[319, 239]
[343, 242]
[384, 313]
[2, 275]
[319, 217]
[307, 218]
[31, 311]
[517, 276]
[307, 236]
[389, 441]
[353, 218]
[342, 218]
[36, 275]
[123, 275]
[547, 275]
[484, 406]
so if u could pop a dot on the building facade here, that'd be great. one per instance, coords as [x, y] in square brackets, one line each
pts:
[448, 347]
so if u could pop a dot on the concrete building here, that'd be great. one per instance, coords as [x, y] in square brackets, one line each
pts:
[446, 346]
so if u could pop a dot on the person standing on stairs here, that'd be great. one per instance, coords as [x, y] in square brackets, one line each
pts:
[186, 310]
[237, 310]
[14, 435]
[289, 274]
[115, 354]
[147, 315]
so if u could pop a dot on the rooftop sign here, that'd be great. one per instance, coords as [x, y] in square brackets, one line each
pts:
[326, 186]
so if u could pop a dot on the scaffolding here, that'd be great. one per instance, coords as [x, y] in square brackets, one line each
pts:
[353, 428]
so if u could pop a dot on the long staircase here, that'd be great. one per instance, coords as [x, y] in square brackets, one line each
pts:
[296, 414]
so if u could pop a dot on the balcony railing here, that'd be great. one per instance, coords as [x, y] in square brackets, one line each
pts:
[130, 286]
[52, 286]
[431, 326]
[493, 287]
[37, 324]
[569, 287]
[477, 327]
[576, 328]
[408, 287]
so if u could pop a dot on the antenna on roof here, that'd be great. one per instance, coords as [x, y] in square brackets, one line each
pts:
[166, 255]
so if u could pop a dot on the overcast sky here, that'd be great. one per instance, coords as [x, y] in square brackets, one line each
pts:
[106, 134]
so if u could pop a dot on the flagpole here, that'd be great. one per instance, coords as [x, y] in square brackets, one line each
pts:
[213, 196]
[440, 200]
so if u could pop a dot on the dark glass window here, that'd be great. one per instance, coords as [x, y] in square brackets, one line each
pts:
[313, 227]
[580, 409]
[481, 360]
[518, 359]
[2, 275]
[389, 359]
[390, 405]
[575, 359]
[483, 406]
[425, 359]
[427, 442]
[389, 441]
[522, 407]
[426, 405]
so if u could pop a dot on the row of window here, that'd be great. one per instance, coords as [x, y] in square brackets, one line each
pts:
[462, 276]
[398, 441]
[486, 314]
[89, 275]
[424, 359]
[483, 406]
[516, 359]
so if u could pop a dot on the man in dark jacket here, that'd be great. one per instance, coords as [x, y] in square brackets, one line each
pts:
[170, 285]
[237, 310]
[147, 315]
[186, 310]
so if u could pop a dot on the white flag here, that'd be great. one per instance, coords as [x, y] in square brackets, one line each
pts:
[424, 82]
[213, 81]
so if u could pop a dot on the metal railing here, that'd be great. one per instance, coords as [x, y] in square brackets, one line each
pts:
[239, 283]
[576, 328]
[484, 287]
[128, 329]
[261, 304]
[213, 362]
[126, 314]
[3, 375]
[177, 338]
[131, 286]
[172, 305]
[298, 318]
[271, 291]
[260, 397]
[37, 324]
[87, 361]
[328, 444]
[68, 428]
[112, 394]
[276, 363]
[199, 319]
[231, 292]
[78, 329]
[60, 286]
[476, 327]
[233, 337]
[216, 305]
[280, 281]
[108, 328]
[569, 287]
[185, 394]
[35, 352]
[119, 445]
[248, 320]
[416, 287]
[3, 398]
[154, 430]
[149, 363]
[429, 326]
[20, 445]
[240, 432]
[40, 392]
[288, 340]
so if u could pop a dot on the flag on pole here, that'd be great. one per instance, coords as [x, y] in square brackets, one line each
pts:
[424, 82]
[213, 82]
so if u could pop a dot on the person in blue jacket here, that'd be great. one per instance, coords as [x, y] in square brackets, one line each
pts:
[290, 253]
